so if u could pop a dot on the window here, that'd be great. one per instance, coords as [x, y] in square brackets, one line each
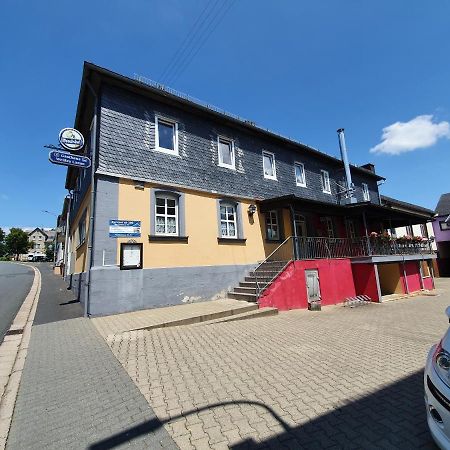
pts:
[82, 229]
[228, 223]
[300, 179]
[272, 227]
[325, 177]
[366, 193]
[409, 230]
[423, 230]
[300, 225]
[350, 226]
[226, 153]
[444, 225]
[166, 215]
[393, 232]
[166, 136]
[329, 226]
[269, 165]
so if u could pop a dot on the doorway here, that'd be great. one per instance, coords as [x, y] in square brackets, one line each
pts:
[300, 225]
[312, 285]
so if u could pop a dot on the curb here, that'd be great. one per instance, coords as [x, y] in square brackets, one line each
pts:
[13, 351]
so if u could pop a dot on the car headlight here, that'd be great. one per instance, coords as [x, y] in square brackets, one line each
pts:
[441, 363]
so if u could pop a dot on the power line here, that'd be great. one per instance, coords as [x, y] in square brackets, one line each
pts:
[189, 37]
[186, 60]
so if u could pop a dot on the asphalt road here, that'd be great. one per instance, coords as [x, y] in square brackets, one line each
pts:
[15, 283]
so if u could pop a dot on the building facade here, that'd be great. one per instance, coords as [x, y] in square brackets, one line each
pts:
[221, 208]
[441, 228]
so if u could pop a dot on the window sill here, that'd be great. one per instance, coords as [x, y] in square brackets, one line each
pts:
[167, 151]
[226, 166]
[224, 240]
[301, 185]
[326, 192]
[270, 178]
[162, 238]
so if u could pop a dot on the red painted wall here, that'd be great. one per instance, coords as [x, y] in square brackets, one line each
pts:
[428, 283]
[365, 280]
[288, 291]
[413, 276]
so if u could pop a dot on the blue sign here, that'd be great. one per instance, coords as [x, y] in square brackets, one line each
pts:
[67, 159]
[124, 228]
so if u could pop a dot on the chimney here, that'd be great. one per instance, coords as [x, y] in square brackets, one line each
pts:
[369, 166]
[350, 189]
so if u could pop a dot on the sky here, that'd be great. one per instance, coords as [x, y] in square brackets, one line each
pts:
[301, 68]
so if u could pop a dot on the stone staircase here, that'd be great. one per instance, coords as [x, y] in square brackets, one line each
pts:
[262, 276]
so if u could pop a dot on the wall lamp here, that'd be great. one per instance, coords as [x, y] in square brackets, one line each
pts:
[251, 209]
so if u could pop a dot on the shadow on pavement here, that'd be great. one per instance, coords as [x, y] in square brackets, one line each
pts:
[392, 417]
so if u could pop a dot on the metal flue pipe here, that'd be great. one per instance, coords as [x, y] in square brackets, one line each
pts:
[344, 157]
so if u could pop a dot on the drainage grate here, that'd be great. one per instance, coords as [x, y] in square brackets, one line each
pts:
[11, 332]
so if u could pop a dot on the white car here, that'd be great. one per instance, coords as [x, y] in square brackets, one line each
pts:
[437, 390]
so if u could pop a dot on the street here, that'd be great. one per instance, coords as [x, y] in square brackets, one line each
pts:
[15, 282]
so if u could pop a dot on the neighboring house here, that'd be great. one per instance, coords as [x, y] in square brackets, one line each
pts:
[38, 237]
[441, 227]
[208, 197]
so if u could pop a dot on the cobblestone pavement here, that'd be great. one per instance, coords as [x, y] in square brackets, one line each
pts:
[339, 378]
[74, 394]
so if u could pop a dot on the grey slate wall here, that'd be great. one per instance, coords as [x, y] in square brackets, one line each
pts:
[127, 142]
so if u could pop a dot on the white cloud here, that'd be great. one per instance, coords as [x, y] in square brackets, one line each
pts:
[420, 132]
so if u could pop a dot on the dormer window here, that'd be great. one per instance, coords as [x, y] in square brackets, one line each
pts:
[325, 178]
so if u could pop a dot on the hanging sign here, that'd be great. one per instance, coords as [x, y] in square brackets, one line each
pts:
[67, 159]
[124, 228]
[71, 139]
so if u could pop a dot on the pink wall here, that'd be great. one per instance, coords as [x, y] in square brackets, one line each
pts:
[365, 280]
[412, 276]
[428, 283]
[288, 291]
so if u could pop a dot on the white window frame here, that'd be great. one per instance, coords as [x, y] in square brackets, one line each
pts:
[228, 205]
[175, 136]
[165, 215]
[325, 180]
[366, 193]
[269, 224]
[233, 160]
[271, 155]
[302, 167]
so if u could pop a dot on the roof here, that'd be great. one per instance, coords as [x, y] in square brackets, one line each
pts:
[443, 205]
[409, 207]
[40, 230]
[148, 87]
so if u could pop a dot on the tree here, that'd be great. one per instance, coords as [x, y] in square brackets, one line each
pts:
[3, 250]
[17, 242]
[49, 251]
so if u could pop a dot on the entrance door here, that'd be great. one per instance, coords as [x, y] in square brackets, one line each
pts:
[312, 285]
[300, 225]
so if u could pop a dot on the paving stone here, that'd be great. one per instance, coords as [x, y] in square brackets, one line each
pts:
[338, 378]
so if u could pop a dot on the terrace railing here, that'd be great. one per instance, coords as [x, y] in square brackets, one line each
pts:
[301, 248]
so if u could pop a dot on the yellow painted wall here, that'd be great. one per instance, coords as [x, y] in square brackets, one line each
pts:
[80, 250]
[201, 227]
[390, 281]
